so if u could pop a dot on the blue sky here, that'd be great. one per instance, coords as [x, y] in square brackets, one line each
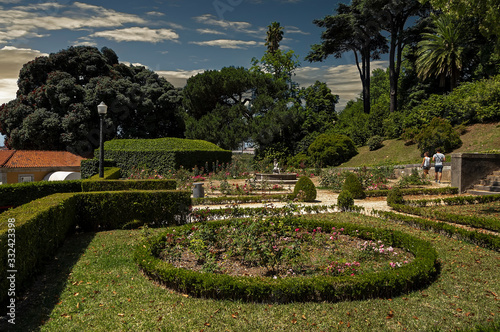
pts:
[175, 38]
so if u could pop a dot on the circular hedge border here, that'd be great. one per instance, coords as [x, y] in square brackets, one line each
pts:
[417, 274]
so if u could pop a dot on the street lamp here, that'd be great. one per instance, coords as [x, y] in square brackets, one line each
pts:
[102, 109]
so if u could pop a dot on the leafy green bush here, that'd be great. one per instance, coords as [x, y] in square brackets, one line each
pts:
[305, 190]
[395, 197]
[345, 201]
[163, 154]
[439, 134]
[332, 149]
[375, 143]
[354, 186]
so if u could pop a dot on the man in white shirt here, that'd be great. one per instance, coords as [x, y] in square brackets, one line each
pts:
[438, 159]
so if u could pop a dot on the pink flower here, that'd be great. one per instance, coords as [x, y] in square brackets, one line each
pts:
[297, 229]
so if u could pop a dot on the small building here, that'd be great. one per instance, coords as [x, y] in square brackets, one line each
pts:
[30, 165]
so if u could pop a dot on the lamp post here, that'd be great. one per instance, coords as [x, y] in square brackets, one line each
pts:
[102, 109]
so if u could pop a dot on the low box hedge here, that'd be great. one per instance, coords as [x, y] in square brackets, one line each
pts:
[472, 221]
[41, 225]
[116, 185]
[419, 273]
[414, 191]
[110, 173]
[21, 193]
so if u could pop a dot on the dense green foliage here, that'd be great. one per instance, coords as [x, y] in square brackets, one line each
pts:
[375, 142]
[354, 186]
[331, 149]
[164, 154]
[58, 97]
[304, 190]
[117, 185]
[438, 135]
[42, 225]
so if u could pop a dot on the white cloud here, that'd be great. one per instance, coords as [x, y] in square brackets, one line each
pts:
[210, 19]
[343, 80]
[228, 43]
[8, 89]
[210, 32]
[178, 78]
[295, 30]
[153, 13]
[138, 34]
[12, 59]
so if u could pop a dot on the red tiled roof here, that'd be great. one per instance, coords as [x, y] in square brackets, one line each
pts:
[33, 159]
[5, 156]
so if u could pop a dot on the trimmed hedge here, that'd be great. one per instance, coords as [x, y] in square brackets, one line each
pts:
[415, 191]
[42, 225]
[242, 199]
[419, 273]
[472, 221]
[117, 185]
[484, 240]
[21, 193]
[90, 167]
[163, 154]
[110, 173]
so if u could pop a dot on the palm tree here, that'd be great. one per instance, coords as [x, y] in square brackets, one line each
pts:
[274, 36]
[440, 52]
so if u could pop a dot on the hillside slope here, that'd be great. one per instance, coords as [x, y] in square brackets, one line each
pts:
[478, 138]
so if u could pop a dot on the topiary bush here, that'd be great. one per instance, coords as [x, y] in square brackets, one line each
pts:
[332, 149]
[345, 201]
[305, 190]
[375, 143]
[395, 197]
[353, 185]
[438, 134]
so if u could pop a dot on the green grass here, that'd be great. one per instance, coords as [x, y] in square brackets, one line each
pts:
[490, 210]
[478, 138]
[95, 285]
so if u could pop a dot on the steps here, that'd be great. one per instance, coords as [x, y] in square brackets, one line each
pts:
[488, 186]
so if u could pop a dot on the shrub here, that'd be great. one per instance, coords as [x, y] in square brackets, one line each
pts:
[353, 185]
[439, 134]
[345, 201]
[375, 143]
[305, 190]
[332, 149]
[395, 197]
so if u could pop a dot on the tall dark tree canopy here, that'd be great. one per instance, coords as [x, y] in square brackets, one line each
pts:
[274, 37]
[56, 104]
[351, 30]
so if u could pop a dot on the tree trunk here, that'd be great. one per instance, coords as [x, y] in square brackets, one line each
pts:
[393, 79]
[366, 84]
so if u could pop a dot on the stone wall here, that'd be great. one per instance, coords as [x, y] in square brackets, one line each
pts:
[469, 168]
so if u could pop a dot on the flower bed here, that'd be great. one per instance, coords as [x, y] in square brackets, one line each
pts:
[335, 281]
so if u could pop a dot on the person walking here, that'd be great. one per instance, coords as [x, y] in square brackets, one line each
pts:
[426, 164]
[438, 159]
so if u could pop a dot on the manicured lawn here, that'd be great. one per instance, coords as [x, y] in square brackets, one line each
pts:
[94, 285]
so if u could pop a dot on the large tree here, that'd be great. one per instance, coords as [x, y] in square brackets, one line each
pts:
[274, 37]
[56, 104]
[351, 30]
[392, 16]
[440, 53]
